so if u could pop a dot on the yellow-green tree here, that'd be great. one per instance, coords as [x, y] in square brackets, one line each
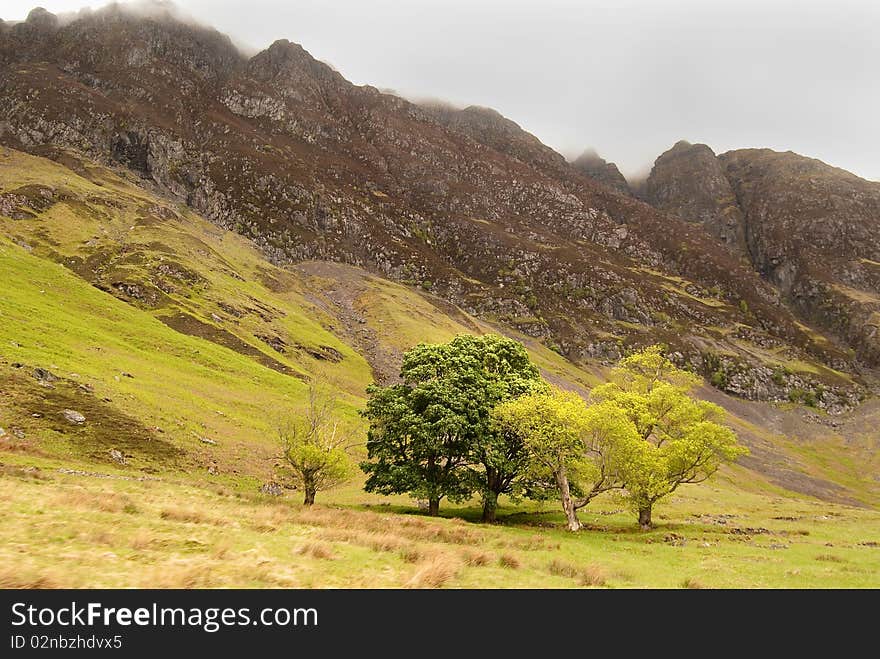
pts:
[314, 443]
[576, 446]
[683, 440]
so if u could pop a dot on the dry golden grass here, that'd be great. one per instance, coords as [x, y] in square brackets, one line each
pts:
[99, 536]
[174, 543]
[692, 584]
[108, 502]
[592, 575]
[316, 549]
[221, 549]
[14, 577]
[562, 568]
[411, 554]
[587, 575]
[435, 572]
[269, 520]
[413, 529]
[386, 542]
[189, 516]
[476, 558]
[142, 539]
[179, 575]
[534, 542]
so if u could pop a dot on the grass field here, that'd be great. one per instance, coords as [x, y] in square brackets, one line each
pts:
[181, 346]
[68, 530]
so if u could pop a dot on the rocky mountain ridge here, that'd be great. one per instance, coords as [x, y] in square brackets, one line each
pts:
[597, 168]
[282, 149]
[811, 230]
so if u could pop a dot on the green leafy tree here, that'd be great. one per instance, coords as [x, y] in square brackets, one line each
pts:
[683, 440]
[314, 443]
[578, 447]
[432, 435]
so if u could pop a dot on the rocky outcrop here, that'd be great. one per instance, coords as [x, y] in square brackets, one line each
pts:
[688, 181]
[606, 173]
[814, 231]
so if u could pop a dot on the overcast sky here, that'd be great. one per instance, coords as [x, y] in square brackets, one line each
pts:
[627, 77]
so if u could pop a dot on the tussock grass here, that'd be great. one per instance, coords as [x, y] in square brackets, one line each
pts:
[435, 572]
[592, 575]
[28, 579]
[143, 539]
[411, 554]
[100, 536]
[183, 548]
[221, 549]
[378, 542]
[692, 584]
[586, 575]
[316, 549]
[270, 519]
[476, 558]
[107, 502]
[189, 516]
[179, 575]
[414, 530]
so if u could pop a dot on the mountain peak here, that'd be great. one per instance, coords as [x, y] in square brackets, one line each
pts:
[688, 181]
[596, 167]
[289, 64]
[41, 17]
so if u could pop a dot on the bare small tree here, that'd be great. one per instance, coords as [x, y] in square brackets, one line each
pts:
[314, 443]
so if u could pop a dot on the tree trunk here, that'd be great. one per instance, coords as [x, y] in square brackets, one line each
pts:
[310, 494]
[567, 503]
[434, 506]
[490, 505]
[645, 516]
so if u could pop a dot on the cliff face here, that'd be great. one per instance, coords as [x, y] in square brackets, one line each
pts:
[598, 169]
[811, 230]
[814, 231]
[281, 148]
[689, 182]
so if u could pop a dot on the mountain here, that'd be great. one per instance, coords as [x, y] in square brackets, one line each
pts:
[809, 229]
[594, 166]
[280, 148]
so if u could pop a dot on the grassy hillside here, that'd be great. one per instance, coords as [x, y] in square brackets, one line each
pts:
[181, 346]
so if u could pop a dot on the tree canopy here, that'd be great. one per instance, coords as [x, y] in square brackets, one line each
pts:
[683, 439]
[313, 440]
[432, 435]
[576, 446]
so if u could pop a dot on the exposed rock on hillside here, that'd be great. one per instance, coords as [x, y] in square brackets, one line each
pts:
[689, 182]
[594, 166]
[814, 231]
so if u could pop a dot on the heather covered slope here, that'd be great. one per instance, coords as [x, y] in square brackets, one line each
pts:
[282, 149]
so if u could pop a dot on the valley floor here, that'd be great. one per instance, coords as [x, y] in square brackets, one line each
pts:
[68, 527]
